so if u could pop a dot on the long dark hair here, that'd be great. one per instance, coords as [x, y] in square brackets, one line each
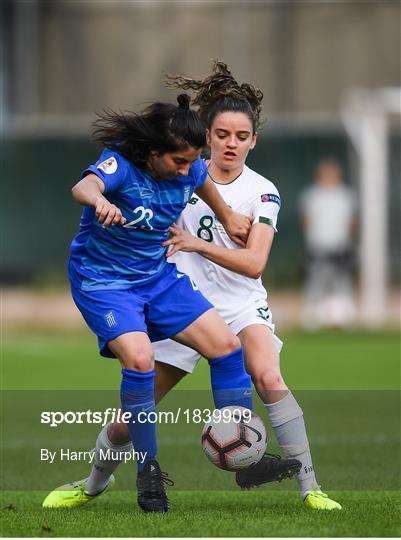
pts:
[220, 92]
[161, 127]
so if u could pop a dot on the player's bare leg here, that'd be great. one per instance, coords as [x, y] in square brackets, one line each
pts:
[270, 468]
[209, 335]
[263, 363]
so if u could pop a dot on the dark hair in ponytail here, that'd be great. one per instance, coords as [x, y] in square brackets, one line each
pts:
[161, 127]
[220, 92]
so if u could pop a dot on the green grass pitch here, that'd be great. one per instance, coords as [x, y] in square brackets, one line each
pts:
[348, 384]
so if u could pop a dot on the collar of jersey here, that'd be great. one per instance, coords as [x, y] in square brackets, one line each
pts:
[228, 183]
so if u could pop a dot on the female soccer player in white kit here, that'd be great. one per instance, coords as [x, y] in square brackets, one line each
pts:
[230, 277]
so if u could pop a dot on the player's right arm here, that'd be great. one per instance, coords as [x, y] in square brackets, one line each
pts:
[89, 192]
[249, 261]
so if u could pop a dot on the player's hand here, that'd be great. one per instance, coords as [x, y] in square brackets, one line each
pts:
[180, 240]
[238, 228]
[108, 213]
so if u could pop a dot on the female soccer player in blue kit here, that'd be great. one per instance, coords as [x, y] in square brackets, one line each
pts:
[226, 370]
[120, 279]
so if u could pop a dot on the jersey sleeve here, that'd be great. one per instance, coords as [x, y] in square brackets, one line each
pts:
[111, 168]
[267, 207]
[199, 172]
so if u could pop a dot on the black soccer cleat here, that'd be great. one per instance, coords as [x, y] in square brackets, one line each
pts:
[271, 468]
[150, 484]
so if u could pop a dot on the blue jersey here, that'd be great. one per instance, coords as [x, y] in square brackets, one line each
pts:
[124, 255]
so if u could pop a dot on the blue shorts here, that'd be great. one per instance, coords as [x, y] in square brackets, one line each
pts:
[161, 309]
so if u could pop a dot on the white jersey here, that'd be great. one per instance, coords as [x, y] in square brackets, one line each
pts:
[231, 293]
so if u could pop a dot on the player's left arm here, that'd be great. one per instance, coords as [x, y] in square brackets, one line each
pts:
[249, 261]
[236, 225]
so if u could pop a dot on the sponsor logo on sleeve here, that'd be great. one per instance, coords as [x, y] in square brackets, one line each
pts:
[109, 166]
[270, 197]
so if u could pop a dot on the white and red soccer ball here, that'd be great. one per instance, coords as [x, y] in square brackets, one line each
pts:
[235, 438]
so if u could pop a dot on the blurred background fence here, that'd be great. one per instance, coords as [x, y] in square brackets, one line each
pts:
[64, 60]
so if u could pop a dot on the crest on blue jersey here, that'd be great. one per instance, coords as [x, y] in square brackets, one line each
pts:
[187, 193]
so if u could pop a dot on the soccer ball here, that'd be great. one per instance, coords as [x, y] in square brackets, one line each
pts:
[235, 438]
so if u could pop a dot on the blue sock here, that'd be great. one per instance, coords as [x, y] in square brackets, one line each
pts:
[137, 395]
[231, 384]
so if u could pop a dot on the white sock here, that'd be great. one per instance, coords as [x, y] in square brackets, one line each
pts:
[287, 420]
[105, 462]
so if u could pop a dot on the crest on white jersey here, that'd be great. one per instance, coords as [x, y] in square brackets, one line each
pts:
[108, 166]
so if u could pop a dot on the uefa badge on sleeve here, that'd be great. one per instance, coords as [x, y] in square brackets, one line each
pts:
[109, 166]
[270, 197]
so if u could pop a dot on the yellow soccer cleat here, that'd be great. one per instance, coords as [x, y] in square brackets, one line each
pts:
[317, 500]
[73, 495]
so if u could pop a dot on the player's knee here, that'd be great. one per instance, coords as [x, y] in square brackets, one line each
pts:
[230, 344]
[269, 380]
[142, 360]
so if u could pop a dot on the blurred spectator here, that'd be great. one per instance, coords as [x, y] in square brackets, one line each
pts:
[328, 209]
